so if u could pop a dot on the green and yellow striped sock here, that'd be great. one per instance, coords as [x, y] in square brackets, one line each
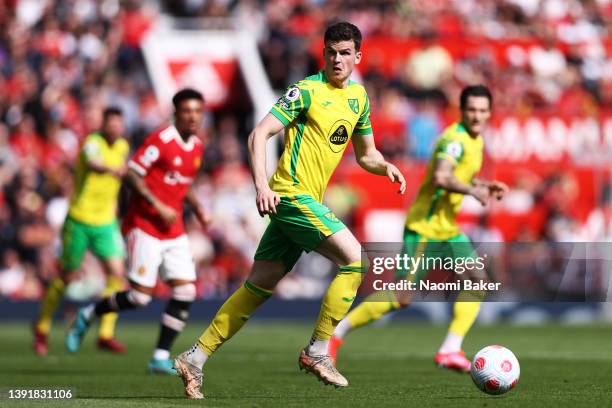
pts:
[465, 311]
[337, 300]
[108, 321]
[230, 318]
[373, 308]
[53, 296]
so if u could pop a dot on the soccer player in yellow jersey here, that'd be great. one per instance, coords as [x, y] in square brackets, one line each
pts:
[431, 221]
[320, 114]
[92, 224]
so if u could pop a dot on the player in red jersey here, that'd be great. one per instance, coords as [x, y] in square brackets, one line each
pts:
[160, 174]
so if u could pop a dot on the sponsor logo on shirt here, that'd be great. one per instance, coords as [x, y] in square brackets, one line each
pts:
[339, 135]
[174, 178]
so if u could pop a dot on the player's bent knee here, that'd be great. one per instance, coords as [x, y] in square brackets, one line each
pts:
[139, 299]
[267, 274]
[184, 293]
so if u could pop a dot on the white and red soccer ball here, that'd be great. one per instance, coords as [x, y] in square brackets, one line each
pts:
[495, 370]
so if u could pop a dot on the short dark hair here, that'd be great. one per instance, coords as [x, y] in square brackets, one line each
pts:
[184, 95]
[343, 31]
[111, 111]
[475, 90]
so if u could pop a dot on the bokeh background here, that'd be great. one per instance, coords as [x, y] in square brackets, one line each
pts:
[548, 63]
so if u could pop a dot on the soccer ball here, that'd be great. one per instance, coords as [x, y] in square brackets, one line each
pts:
[495, 370]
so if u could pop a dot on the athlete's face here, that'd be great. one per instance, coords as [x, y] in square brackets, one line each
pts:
[475, 113]
[188, 116]
[113, 127]
[340, 59]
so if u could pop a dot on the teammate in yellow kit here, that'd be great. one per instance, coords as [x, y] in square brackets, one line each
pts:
[92, 224]
[431, 221]
[320, 115]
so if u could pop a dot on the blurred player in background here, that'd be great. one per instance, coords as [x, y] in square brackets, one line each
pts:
[319, 115]
[160, 174]
[92, 224]
[431, 225]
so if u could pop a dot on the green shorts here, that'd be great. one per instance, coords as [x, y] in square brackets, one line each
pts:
[301, 224]
[105, 241]
[436, 252]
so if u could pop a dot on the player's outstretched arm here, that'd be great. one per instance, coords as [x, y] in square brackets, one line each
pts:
[444, 178]
[371, 160]
[266, 199]
[136, 182]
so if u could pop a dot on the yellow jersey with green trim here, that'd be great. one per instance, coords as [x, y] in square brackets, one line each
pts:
[434, 213]
[94, 200]
[319, 120]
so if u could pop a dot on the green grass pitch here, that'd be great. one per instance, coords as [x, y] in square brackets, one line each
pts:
[561, 366]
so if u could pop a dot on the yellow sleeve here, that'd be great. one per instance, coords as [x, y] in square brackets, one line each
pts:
[91, 148]
[295, 100]
[449, 149]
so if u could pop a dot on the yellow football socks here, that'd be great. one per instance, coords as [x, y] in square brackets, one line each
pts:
[230, 318]
[53, 296]
[108, 320]
[338, 300]
[465, 312]
[373, 308]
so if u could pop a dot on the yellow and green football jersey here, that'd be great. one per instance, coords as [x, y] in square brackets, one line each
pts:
[434, 213]
[319, 120]
[94, 201]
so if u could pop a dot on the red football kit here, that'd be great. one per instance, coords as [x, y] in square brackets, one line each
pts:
[168, 165]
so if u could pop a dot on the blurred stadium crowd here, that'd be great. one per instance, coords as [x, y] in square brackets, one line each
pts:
[61, 61]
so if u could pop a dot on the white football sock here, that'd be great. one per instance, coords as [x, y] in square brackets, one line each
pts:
[451, 343]
[343, 328]
[88, 312]
[196, 356]
[318, 348]
[161, 354]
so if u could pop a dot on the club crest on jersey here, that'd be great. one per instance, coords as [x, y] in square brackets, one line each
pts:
[354, 105]
[339, 135]
[197, 162]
